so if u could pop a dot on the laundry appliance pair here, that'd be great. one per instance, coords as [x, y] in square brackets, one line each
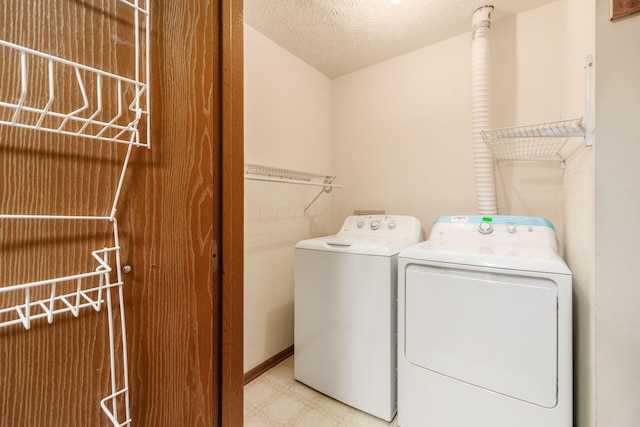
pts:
[483, 322]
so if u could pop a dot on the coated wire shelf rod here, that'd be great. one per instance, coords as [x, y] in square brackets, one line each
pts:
[256, 172]
[267, 173]
[539, 142]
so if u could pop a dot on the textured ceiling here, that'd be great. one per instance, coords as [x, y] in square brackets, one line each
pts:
[340, 36]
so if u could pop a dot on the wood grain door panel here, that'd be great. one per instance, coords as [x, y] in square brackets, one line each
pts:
[184, 320]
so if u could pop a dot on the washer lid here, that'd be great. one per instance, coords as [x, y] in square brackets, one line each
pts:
[356, 245]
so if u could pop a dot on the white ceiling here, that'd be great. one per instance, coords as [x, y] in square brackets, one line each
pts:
[340, 36]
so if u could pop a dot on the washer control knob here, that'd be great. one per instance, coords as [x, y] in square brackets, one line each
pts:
[360, 224]
[511, 228]
[392, 225]
[485, 228]
[375, 224]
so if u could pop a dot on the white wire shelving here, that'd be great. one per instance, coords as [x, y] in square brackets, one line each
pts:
[255, 172]
[63, 294]
[86, 120]
[127, 98]
[545, 141]
[110, 108]
[27, 303]
[540, 142]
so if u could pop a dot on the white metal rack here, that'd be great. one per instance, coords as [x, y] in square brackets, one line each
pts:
[256, 172]
[118, 111]
[86, 120]
[545, 141]
[541, 142]
[86, 290]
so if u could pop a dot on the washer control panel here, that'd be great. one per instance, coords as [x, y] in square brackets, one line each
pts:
[380, 225]
[373, 223]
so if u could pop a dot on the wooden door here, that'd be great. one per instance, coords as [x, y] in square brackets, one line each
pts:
[180, 221]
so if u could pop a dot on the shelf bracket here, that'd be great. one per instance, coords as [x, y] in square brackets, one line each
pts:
[326, 189]
[588, 114]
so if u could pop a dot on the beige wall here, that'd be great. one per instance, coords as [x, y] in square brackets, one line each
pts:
[287, 125]
[400, 133]
[617, 201]
[402, 128]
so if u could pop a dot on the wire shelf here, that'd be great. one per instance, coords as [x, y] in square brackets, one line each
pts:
[63, 294]
[26, 303]
[540, 142]
[256, 172]
[268, 173]
[43, 92]
[108, 107]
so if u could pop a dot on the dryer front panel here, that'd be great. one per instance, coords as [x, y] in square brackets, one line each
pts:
[491, 330]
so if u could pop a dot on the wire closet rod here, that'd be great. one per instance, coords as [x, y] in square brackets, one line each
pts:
[256, 172]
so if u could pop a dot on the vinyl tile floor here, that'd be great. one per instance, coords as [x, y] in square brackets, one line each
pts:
[276, 399]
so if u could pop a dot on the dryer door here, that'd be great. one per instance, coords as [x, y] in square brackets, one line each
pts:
[493, 330]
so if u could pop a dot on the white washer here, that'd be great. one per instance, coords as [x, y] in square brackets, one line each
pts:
[346, 312]
[484, 326]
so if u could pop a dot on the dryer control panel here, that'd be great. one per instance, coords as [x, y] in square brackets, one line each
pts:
[497, 227]
[494, 235]
[509, 224]
[395, 226]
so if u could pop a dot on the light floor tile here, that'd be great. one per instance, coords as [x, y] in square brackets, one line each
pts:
[275, 399]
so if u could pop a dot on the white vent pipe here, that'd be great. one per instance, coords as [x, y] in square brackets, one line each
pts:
[481, 110]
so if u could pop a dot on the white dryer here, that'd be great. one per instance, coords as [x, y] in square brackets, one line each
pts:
[484, 326]
[346, 313]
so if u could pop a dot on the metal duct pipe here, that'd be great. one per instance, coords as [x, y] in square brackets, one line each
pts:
[481, 110]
